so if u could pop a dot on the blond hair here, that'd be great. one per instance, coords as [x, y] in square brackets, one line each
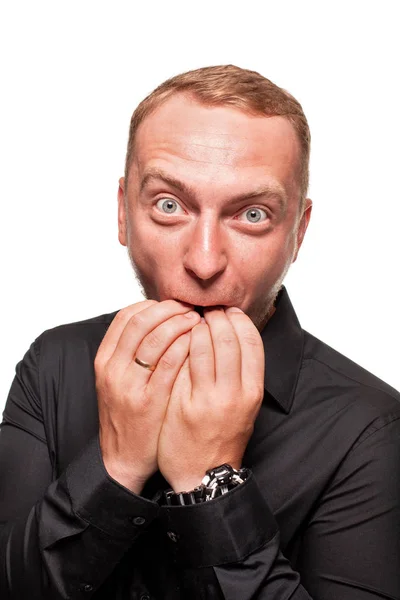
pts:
[231, 86]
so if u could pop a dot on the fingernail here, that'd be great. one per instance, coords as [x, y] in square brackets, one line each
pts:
[191, 315]
[233, 309]
[202, 320]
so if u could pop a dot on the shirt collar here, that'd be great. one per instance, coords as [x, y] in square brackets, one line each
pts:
[283, 340]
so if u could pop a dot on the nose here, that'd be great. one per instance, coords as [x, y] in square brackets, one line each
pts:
[206, 256]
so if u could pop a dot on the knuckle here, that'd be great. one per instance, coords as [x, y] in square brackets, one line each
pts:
[121, 318]
[152, 340]
[123, 314]
[136, 321]
[108, 378]
[257, 392]
[98, 363]
[228, 340]
[252, 338]
[200, 351]
[167, 362]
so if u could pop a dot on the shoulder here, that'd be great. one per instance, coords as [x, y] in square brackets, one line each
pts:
[75, 336]
[360, 394]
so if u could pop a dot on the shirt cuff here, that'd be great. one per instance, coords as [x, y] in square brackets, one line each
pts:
[101, 501]
[220, 531]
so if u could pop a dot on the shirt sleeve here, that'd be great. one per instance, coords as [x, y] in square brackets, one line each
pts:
[351, 544]
[58, 539]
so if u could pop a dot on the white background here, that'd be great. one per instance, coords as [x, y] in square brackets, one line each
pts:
[72, 74]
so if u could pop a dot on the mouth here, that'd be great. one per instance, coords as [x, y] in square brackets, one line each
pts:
[199, 308]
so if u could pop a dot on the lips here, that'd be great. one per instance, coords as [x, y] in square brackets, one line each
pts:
[199, 308]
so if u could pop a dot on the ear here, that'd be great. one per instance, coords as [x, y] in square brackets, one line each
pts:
[302, 227]
[121, 213]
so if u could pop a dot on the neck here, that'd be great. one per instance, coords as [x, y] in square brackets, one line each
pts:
[267, 317]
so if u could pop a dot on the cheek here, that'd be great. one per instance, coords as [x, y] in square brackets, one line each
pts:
[264, 265]
[153, 250]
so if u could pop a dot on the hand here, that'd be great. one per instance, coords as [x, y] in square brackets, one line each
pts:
[214, 401]
[132, 400]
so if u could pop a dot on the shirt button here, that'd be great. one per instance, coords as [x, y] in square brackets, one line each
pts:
[86, 587]
[173, 536]
[138, 520]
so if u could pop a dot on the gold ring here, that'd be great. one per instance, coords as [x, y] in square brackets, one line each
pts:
[144, 364]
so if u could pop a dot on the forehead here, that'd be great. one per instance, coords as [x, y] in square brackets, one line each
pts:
[223, 141]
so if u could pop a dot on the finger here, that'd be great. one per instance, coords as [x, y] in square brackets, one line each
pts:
[155, 344]
[182, 388]
[140, 325]
[168, 367]
[118, 324]
[201, 356]
[252, 349]
[227, 352]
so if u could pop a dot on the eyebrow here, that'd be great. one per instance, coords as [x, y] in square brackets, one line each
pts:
[268, 190]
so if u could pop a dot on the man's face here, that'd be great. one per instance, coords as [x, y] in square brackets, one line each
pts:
[212, 206]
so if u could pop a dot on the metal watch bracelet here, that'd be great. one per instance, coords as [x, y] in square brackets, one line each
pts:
[216, 482]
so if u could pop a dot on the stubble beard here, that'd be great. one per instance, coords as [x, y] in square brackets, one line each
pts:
[141, 281]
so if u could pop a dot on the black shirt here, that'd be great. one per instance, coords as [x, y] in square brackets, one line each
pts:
[318, 518]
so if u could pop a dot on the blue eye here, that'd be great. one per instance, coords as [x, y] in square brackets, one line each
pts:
[167, 205]
[254, 215]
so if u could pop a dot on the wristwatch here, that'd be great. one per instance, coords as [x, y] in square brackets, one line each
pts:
[216, 482]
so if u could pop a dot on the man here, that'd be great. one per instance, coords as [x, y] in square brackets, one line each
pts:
[200, 444]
